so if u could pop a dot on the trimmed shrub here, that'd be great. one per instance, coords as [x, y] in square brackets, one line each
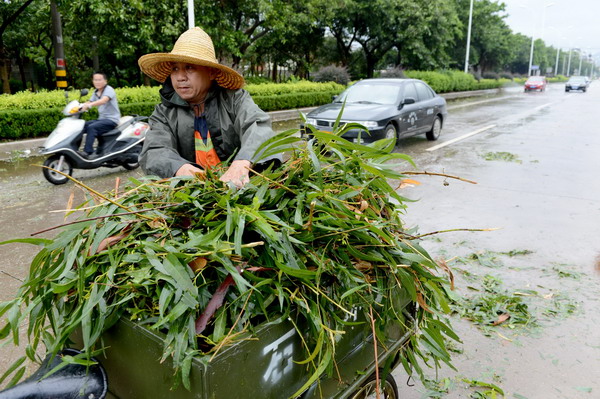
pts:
[396, 73]
[257, 80]
[21, 124]
[332, 73]
[558, 79]
[288, 88]
[26, 114]
[506, 75]
[490, 75]
[56, 98]
[294, 100]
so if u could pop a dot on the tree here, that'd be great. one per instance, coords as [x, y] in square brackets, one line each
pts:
[124, 32]
[490, 35]
[426, 33]
[9, 13]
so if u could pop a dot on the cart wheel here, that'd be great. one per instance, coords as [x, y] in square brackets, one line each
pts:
[54, 162]
[389, 389]
[131, 165]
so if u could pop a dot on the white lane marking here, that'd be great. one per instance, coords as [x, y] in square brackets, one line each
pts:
[543, 106]
[464, 136]
[452, 107]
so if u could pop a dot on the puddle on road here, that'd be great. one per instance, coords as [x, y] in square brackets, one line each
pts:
[282, 126]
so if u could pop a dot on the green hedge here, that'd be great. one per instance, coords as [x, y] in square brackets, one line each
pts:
[142, 94]
[27, 114]
[294, 100]
[452, 81]
[22, 124]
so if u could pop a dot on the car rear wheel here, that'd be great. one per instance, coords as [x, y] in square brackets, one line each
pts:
[391, 132]
[436, 129]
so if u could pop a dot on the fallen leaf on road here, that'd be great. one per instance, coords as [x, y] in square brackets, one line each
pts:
[408, 183]
[501, 319]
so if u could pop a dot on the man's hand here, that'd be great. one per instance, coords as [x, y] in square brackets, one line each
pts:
[189, 170]
[237, 173]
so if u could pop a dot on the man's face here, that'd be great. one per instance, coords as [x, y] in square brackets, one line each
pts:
[191, 81]
[99, 81]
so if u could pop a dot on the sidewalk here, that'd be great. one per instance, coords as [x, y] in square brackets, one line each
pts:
[24, 148]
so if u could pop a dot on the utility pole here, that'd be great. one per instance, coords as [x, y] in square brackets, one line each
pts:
[569, 66]
[556, 64]
[59, 50]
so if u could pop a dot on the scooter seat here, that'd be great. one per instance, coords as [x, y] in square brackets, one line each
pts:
[124, 122]
[112, 132]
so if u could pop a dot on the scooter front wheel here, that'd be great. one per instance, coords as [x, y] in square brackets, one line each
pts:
[60, 163]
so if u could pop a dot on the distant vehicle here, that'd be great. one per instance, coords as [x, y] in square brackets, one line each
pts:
[536, 83]
[577, 83]
[387, 108]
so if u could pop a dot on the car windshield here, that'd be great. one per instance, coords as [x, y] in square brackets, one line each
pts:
[370, 94]
[577, 79]
[535, 79]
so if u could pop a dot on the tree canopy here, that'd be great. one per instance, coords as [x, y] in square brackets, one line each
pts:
[264, 37]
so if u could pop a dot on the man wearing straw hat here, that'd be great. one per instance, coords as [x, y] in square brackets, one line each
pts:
[204, 118]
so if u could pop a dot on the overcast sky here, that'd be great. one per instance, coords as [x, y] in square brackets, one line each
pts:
[568, 23]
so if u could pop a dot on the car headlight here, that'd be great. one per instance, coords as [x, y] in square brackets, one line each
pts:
[311, 121]
[369, 124]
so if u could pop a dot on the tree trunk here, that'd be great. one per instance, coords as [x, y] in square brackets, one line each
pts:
[274, 72]
[4, 75]
[21, 64]
[371, 61]
[398, 58]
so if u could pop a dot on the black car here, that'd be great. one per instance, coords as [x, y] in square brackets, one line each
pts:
[387, 107]
[577, 83]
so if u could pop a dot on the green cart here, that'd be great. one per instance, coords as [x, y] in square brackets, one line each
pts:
[262, 366]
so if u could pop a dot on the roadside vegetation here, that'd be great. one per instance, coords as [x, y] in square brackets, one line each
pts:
[270, 40]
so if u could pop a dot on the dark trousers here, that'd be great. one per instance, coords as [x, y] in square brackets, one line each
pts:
[95, 128]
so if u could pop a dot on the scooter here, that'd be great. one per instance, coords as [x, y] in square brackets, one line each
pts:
[118, 147]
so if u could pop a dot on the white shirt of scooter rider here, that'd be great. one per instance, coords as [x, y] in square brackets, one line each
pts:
[110, 110]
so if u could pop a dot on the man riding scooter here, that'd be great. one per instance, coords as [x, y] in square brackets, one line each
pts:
[105, 98]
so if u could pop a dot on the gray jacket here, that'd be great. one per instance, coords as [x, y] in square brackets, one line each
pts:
[237, 128]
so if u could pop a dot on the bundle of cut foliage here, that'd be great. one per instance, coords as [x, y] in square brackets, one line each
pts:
[311, 241]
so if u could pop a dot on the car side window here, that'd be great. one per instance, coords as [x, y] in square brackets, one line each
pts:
[423, 91]
[410, 91]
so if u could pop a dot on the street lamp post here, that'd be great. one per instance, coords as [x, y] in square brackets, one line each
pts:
[531, 55]
[469, 37]
[580, 59]
[533, 35]
[569, 66]
[556, 63]
[191, 16]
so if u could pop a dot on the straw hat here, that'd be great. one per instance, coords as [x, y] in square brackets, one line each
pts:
[193, 47]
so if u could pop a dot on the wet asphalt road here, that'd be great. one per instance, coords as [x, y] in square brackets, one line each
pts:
[546, 203]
